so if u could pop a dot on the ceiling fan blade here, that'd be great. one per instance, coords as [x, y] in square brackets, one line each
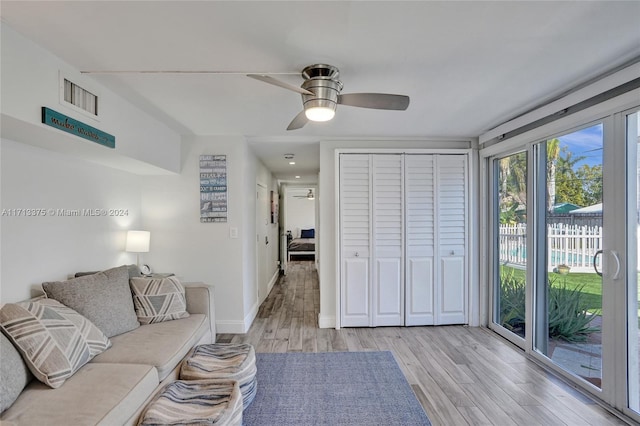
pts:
[375, 100]
[298, 122]
[275, 82]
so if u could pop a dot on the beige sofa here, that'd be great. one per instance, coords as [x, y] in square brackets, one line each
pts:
[114, 387]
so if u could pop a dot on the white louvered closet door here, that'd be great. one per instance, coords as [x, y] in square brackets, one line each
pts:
[420, 238]
[451, 239]
[403, 239]
[388, 243]
[355, 232]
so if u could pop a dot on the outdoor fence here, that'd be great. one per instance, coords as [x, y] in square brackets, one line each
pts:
[571, 245]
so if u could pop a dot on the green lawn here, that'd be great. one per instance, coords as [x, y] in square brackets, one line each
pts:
[591, 292]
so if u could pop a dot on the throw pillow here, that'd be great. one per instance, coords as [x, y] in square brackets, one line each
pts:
[104, 298]
[14, 372]
[308, 233]
[158, 299]
[54, 340]
[134, 271]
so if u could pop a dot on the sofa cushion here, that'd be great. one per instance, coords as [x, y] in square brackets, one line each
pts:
[158, 299]
[162, 345]
[107, 394]
[54, 340]
[104, 298]
[14, 372]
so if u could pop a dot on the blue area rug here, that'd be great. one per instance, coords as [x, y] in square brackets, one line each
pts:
[332, 388]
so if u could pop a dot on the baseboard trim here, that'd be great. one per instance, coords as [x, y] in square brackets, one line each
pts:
[326, 321]
[273, 281]
[248, 320]
[231, 327]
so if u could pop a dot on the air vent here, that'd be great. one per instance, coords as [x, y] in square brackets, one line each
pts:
[80, 98]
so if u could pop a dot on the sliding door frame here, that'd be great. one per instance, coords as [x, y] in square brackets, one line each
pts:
[612, 114]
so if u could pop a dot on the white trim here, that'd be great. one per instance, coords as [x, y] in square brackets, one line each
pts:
[248, 319]
[338, 235]
[326, 321]
[230, 327]
[597, 112]
[472, 298]
[614, 80]
[273, 281]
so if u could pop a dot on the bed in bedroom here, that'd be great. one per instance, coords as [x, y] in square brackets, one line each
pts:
[303, 246]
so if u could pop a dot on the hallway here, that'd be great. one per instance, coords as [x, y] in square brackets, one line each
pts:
[461, 375]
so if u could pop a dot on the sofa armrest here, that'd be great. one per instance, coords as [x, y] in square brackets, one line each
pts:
[200, 301]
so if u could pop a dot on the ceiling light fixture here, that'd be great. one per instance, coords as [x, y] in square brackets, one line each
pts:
[325, 88]
[320, 112]
[297, 177]
[292, 162]
[288, 156]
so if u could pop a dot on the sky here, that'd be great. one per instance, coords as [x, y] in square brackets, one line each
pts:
[585, 143]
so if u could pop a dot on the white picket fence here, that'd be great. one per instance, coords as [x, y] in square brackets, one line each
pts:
[571, 245]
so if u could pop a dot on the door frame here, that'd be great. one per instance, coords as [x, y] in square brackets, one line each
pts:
[473, 289]
[611, 113]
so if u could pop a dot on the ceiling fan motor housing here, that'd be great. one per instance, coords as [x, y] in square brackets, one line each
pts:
[323, 81]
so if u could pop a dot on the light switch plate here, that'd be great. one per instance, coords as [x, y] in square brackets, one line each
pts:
[233, 232]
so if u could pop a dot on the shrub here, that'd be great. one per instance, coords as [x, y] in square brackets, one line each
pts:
[568, 316]
[512, 298]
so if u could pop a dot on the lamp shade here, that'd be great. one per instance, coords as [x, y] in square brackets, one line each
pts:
[138, 241]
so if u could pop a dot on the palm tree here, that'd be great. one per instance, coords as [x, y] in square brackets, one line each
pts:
[553, 150]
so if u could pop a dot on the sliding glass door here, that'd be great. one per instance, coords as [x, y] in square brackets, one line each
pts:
[569, 240]
[510, 205]
[632, 124]
[564, 240]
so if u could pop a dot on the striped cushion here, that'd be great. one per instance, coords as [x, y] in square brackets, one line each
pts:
[224, 361]
[201, 402]
[158, 299]
[54, 340]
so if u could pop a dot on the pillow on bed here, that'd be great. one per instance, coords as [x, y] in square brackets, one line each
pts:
[307, 233]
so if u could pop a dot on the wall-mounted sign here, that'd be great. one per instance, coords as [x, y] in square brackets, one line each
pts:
[213, 188]
[67, 124]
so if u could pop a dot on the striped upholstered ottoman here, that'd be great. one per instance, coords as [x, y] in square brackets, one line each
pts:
[224, 361]
[195, 402]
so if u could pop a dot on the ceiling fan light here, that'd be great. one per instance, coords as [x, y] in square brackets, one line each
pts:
[319, 109]
[320, 113]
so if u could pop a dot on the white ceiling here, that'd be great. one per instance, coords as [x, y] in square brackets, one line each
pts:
[467, 66]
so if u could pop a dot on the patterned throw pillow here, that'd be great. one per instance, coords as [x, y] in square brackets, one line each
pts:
[158, 299]
[54, 340]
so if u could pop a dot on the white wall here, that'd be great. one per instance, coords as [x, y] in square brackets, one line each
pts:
[45, 168]
[206, 252]
[30, 80]
[327, 226]
[52, 247]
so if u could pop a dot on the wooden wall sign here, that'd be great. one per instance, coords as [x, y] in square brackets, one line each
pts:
[67, 124]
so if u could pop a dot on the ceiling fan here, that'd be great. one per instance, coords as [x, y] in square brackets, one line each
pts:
[320, 92]
[309, 195]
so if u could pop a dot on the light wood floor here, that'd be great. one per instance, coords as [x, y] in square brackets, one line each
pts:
[461, 375]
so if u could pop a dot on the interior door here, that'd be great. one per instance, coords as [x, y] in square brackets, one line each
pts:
[355, 231]
[419, 236]
[262, 239]
[388, 241]
[451, 237]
